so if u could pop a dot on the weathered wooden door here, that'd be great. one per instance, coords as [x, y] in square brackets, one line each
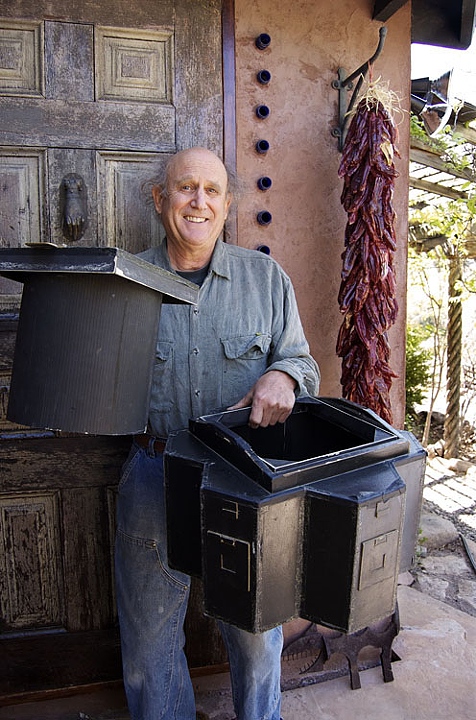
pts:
[105, 90]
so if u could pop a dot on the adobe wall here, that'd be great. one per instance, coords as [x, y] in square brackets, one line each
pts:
[309, 42]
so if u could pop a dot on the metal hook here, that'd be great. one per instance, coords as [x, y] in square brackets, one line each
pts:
[344, 84]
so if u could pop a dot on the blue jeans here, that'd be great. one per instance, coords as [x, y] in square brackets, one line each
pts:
[152, 602]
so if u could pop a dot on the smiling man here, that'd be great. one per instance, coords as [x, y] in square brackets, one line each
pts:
[241, 345]
[193, 206]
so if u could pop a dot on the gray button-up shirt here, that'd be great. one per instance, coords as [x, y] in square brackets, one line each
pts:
[210, 355]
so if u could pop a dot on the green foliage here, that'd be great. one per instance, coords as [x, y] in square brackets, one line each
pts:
[417, 374]
[441, 144]
[451, 220]
[426, 331]
[417, 129]
[442, 234]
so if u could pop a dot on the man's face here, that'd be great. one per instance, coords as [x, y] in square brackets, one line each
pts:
[195, 205]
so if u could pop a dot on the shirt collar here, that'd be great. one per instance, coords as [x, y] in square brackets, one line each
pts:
[219, 263]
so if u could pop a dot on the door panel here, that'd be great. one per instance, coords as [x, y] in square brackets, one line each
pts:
[69, 66]
[107, 91]
[134, 65]
[81, 162]
[22, 173]
[121, 199]
[30, 591]
[21, 53]
[61, 123]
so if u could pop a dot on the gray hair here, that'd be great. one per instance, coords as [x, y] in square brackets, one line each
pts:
[159, 178]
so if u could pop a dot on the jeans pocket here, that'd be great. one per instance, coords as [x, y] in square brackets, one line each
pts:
[145, 555]
[128, 465]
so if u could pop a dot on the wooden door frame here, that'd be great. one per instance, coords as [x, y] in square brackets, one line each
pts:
[229, 104]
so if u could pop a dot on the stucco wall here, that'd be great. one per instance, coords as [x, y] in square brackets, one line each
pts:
[309, 41]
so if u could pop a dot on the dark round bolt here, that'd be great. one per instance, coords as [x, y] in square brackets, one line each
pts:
[263, 41]
[263, 77]
[264, 217]
[262, 112]
[264, 183]
[264, 249]
[262, 147]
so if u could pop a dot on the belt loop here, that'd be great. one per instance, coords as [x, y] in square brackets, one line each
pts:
[150, 447]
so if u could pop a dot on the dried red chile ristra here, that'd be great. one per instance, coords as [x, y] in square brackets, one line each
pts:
[367, 290]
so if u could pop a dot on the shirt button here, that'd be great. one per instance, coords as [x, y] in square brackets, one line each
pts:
[197, 392]
[196, 311]
[195, 351]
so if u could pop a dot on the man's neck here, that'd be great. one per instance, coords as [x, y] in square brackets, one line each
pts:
[189, 261]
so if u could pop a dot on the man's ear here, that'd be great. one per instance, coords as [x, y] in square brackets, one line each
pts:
[157, 197]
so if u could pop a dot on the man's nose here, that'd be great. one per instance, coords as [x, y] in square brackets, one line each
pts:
[199, 199]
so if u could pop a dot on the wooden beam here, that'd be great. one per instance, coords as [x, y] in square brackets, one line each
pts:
[422, 154]
[437, 189]
[229, 108]
[229, 83]
[384, 9]
[428, 243]
[447, 23]
[467, 133]
[425, 243]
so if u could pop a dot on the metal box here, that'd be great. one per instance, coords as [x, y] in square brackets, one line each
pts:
[86, 337]
[302, 519]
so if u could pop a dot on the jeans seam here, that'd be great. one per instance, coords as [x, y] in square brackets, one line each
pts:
[127, 468]
[151, 544]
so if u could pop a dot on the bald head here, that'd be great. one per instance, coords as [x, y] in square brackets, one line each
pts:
[196, 157]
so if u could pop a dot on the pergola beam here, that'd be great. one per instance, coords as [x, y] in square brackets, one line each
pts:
[421, 154]
[437, 189]
[467, 133]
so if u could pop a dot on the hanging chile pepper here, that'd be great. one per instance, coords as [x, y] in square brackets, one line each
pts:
[367, 291]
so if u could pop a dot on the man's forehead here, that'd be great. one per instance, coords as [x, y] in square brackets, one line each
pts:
[219, 181]
[196, 166]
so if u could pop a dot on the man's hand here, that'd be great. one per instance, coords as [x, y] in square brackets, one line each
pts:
[271, 399]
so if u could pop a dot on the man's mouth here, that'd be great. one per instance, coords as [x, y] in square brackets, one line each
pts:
[194, 219]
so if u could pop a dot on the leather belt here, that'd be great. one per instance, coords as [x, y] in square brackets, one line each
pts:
[145, 442]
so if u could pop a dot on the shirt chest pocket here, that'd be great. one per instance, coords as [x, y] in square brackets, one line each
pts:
[245, 360]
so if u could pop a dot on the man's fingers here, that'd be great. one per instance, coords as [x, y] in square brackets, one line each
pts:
[244, 402]
[271, 399]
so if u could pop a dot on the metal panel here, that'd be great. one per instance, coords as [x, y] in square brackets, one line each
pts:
[24, 263]
[86, 337]
[320, 438]
[84, 354]
[322, 543]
